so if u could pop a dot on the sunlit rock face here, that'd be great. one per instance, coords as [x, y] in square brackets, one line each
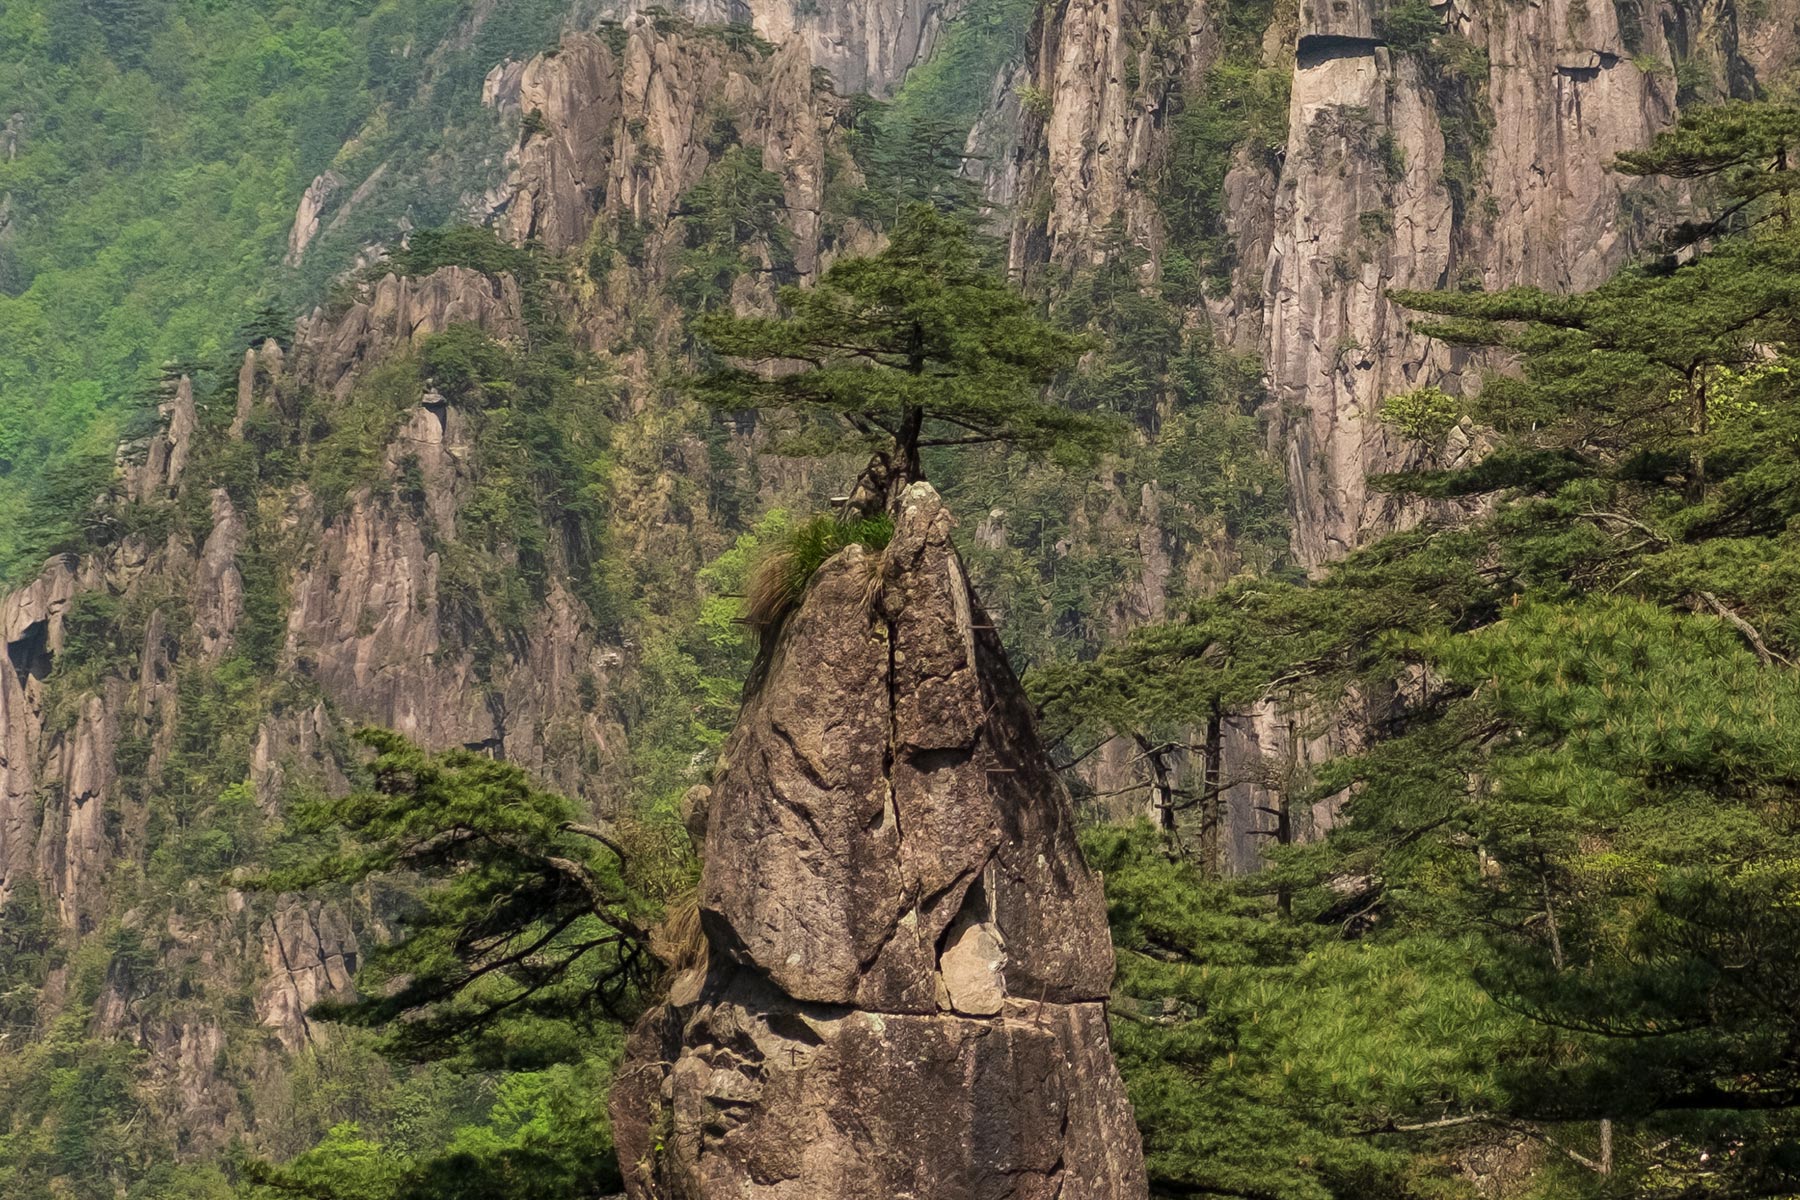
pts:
[908, 958]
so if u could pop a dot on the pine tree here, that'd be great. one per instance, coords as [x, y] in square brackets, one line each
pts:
[528, 924]
[737, 206]
[918, 346]
[1744, 147]
[266, 321]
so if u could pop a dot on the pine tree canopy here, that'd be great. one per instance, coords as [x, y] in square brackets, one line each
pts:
[520, 924]
[1743, 146]
[920, 345]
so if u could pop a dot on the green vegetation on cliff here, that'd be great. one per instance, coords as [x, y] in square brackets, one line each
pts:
[1578, 782]
[152, 155]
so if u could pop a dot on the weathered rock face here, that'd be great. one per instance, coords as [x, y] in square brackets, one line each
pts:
[364, 640]
[866, 45]
[846, 47]
[622, 130]
[1334, 345]
[1358, 201]
[397, 312]
[908, 959]
[31, 633]
[307, 217]
[1363, 207]
[309, 954]
[1086, 158]
[1484, 163]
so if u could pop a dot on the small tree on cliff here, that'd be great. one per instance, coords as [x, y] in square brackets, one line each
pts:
[918, 346]
[521, 925]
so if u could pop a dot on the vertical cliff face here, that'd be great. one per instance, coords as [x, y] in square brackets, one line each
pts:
[1480, 159]
[32, 633]
[619, 129]
[908, 960]
[1473, 152]
[1374, 196]
[865, 45]
[1334, 346]
[1098, 135]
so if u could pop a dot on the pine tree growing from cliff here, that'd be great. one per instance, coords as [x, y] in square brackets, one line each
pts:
[523, 926]
[1583, 784]
[919, 346]
[1653, 365]
[1745, 149]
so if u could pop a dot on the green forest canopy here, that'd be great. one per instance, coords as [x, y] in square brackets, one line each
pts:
[150, 176]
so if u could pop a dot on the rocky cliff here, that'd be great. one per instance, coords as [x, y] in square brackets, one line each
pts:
[1470, 149]
[129, 698]
[907, 960]
[308, 542]
[300, 545]
[1474, 153]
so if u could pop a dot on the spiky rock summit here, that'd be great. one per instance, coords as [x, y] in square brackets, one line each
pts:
[908, 961]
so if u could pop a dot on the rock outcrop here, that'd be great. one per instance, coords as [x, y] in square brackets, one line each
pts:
[619, 132]
[313, 201]
[878, 905]
[395, 313]
[352, 601]
[908, 960]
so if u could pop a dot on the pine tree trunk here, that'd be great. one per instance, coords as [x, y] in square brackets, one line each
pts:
[906, 469]
[1212, 791]
[1698, 426]
[1284, 812]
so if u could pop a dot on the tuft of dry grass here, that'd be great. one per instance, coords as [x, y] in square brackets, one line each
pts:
[779, 579]
[678, 941]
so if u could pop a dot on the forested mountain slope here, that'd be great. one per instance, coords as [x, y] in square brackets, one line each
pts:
[153, 157]
[359, 321]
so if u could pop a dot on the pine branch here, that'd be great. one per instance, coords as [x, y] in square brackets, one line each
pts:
[1622, 519]
[1768, 657]
[595, 833]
